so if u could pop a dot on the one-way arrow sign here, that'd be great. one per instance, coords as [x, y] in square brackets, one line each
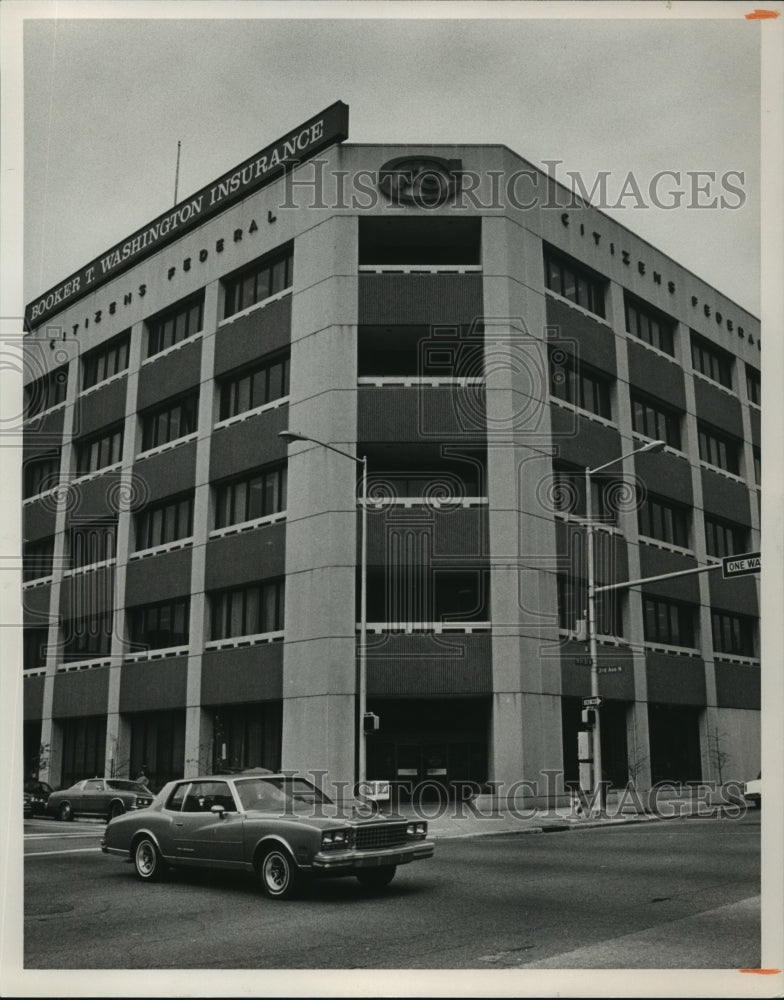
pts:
[731, 566]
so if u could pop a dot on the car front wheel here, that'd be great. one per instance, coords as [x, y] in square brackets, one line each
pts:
[278, 874]
[147, 860]
[376, 878]
[65, 812]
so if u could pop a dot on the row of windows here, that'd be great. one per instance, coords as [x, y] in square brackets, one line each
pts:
[657, 517]
[46, 392]
[170, 421]
[590, 390]
[575, 283]
[253, 388]
[258, 281]
[670, 623]
[259, 609]
[644, 322]
[252, 496]
[109, 359]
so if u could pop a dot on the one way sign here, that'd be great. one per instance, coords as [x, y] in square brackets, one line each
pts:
[731, 566]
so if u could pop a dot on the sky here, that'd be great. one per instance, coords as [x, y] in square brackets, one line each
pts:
[106, 101]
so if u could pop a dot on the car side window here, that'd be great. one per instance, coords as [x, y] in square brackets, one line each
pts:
[176, 798]
[203, 795]
[93, 786]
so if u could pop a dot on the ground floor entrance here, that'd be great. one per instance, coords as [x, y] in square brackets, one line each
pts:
[430, 748]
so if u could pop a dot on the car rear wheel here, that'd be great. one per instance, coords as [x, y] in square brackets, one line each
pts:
[115, 809]
[65, 812]
[147, 860]
[278, 874]
[376, 878]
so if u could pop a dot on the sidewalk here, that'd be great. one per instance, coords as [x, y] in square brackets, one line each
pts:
[482, 818]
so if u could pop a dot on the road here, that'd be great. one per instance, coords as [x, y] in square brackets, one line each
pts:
[670, 895]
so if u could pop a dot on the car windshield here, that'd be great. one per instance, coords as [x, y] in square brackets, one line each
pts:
[278, 794]
[126, 786]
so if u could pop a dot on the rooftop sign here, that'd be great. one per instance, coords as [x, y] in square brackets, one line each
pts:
[324, 129]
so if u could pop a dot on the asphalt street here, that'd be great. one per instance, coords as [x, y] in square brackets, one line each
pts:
[673, 894]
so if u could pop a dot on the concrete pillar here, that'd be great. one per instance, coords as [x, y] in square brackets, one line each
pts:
[319, 656]
[638, 749]
[198, 727]
[118, 730]
[51, 732]
[525, 736]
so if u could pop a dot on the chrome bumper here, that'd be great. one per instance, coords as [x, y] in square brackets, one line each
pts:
[335, 860]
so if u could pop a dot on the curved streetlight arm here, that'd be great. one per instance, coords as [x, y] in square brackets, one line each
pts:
[653, 446]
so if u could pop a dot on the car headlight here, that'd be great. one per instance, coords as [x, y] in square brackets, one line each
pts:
[335, 839]
[417, 829]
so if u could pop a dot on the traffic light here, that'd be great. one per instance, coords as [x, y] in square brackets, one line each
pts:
[370, 723]
[589, 717]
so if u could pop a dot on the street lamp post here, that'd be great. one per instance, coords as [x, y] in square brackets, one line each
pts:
[651, 446]
[290, 436]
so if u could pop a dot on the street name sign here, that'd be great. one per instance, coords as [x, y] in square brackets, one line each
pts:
[593, 702]
[741, 565]
[617, 669]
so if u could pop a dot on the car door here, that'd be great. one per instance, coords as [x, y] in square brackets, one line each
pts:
[204, 837]
[95, 797]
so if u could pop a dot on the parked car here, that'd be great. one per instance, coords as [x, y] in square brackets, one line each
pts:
[98, 797]
[281, 828]
[752, 791]
[37, 794]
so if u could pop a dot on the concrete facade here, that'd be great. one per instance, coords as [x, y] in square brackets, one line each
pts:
[475, 668]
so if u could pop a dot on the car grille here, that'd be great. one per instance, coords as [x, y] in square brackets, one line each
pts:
[383, 835]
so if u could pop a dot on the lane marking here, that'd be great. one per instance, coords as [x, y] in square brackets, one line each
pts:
[48, 854]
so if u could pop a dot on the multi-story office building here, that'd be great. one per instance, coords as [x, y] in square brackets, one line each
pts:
[457, 318]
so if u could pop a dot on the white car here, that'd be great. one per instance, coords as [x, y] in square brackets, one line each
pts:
[752, 791]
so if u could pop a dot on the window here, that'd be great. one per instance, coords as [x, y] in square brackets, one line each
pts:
[580, 385]
[668, 622]
[753, 385]
[160, 626]
[261, 493]
[93, 542]
[35, 640]
[37, 561]
[99, 452]
[656, 421]
[257, 282]
[723, 538]
[733, 633]
[573, 606]
[718, 449]
[569, 493]
[249, 610]
[169, 422]
[574, 282]
[164, 522]
[107, 360]
[711, 361]
[254, 388]
[88, 637]
[757, 456]
[41, 474]
[46, 392]
[649, 325]
[203, 795]
[664, 520]
[178, 323]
